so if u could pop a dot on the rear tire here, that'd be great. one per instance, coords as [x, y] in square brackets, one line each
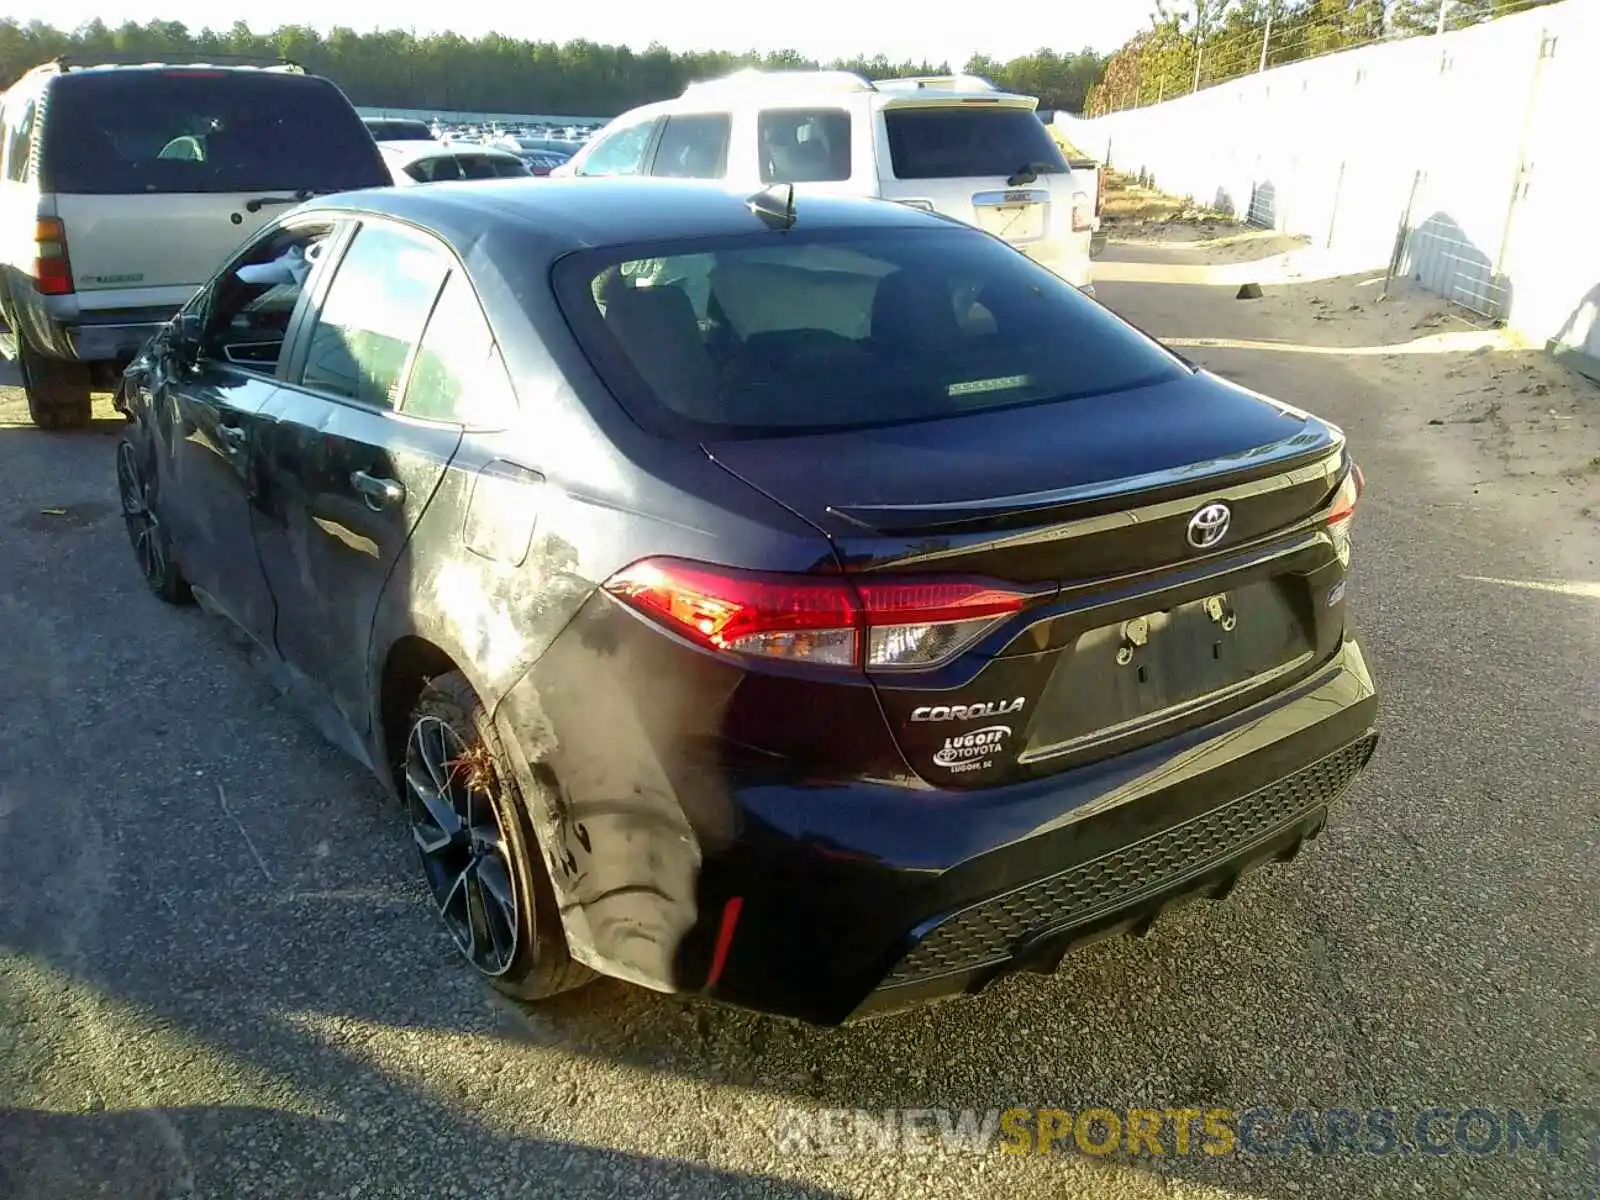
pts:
[480, 855]
[57, 391]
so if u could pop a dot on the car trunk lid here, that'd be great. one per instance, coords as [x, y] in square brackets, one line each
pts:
[1136, 630]
[983, 492]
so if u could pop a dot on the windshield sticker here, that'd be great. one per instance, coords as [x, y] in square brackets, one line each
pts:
[976, 387]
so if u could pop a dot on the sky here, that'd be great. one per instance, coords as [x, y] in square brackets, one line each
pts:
[822, 29]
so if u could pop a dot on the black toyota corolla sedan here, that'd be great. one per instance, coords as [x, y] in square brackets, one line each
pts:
[815, 605]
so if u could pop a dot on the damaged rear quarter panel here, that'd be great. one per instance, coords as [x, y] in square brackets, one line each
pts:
[514, 545]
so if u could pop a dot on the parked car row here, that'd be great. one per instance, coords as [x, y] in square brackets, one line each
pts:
[123, 182]
[540, 153]
[746, 587]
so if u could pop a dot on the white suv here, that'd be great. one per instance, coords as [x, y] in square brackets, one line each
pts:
[124, 185]
[950, 144]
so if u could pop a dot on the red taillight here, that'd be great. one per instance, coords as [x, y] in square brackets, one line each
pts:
[868, 624]
[917, 623]
[1343, 513]
[52, 269]
[1082, 216]
[801, 619]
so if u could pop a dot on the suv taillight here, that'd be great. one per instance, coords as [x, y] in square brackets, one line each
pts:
[865, 624]
[52, 269]
[1343, 513]
[1082, 214]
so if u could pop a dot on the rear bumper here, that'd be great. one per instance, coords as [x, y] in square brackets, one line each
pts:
[834, 902]
[60, 327]
[115, 337]
[1073, 267]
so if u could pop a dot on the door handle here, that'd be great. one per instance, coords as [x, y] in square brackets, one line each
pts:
[379, 493]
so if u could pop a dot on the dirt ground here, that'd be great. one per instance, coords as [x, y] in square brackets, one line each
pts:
[1502, 414]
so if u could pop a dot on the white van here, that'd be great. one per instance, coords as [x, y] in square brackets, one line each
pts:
[955, 145]
[124, 185]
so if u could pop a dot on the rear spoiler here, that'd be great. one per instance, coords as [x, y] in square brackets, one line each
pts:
[1302, 456]
[941, 98]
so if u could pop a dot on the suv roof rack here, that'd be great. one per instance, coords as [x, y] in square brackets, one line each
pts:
[946, 83]
[79, 59]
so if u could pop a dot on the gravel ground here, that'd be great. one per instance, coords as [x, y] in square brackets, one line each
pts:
[219, 976]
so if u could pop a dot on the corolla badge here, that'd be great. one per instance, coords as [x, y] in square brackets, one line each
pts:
[968, 712]
[1209, 526]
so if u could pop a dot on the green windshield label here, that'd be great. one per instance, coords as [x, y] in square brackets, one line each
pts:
[977, 386]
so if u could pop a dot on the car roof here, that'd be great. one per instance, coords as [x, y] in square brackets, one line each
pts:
[410, 151]
[574, 214]
[156, 67]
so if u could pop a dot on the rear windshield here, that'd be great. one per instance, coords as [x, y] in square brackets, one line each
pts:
[447, 167]
[386, 129]
[783, 333]
[968, 141]
[137, 132]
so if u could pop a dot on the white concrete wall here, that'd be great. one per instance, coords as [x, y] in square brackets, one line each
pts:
[1501, 147]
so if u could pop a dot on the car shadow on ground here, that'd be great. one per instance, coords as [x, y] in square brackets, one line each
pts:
[144, 1154]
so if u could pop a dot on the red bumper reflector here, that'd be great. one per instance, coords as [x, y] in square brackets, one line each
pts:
[719, 956]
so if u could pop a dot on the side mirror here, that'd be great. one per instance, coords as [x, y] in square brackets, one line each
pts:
[186, 330]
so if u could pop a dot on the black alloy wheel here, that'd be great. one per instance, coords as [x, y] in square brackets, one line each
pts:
[480, 855]
[152, 547]
[464, 855]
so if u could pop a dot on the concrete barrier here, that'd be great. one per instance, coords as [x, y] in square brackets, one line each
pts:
[1471, 159]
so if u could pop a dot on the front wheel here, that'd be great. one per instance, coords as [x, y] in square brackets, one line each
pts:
[152, 546]
[479, 852]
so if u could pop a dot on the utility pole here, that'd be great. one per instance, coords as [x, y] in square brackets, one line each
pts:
[1444, 7]
[1266, 38]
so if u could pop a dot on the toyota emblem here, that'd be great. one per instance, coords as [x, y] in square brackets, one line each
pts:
[1209, 526]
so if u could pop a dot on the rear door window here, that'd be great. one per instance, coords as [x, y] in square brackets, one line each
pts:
[134, 131]
[804, 145]
[968, 142]
[373, 315]
[694, 146]
[620, 153]
[459, 376]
